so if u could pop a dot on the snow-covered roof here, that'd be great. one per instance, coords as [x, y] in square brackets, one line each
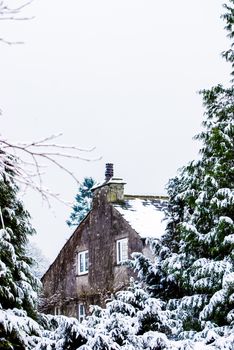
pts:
[145, 215]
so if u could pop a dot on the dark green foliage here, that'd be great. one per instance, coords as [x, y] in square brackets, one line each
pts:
[18, 286]
[194, 268]
[83, 202]
[17, 281]
[228, 17]
[201, 213]
[15, 216]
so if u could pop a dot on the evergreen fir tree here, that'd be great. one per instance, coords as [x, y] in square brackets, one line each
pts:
[18, 286]
[17, 282]
[194, 266]
[83, 202]
[130, 317]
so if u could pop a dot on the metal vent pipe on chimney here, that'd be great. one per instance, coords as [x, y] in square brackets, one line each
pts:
[109, 173]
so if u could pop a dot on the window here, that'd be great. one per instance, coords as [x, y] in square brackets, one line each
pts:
[122, 250]
[81, 312]
[57, 310]
[83, 262]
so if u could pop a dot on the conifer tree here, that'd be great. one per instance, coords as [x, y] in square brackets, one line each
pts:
[17, 282]
[18, 286]
[194, 266]
[83, 202]
[130, 317]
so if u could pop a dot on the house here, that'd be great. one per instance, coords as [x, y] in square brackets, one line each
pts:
[89, 267]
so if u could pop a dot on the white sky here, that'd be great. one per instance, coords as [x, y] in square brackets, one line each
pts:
[119, 75]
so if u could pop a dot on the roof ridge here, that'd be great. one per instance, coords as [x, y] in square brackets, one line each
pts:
[145, 196]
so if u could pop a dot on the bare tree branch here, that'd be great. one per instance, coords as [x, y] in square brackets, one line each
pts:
[41, 143]
[26, 162]
[10, 42]
[13, 14]
[7, 13]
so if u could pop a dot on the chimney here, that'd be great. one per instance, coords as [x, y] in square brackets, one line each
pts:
[109, 173]
[112, 188]
[115, 185]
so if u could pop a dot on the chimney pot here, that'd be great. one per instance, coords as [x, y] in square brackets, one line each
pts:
[109, 173]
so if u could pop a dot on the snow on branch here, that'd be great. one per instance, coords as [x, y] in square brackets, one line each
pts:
[26, 162]
[1, 219]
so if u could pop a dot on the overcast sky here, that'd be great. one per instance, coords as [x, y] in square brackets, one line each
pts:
[119, 75]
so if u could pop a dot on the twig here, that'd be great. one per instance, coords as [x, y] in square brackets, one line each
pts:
[11, 42]
[13, 14]
[28, 172]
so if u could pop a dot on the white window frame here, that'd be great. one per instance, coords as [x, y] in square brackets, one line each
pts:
[121, 250]
[81, 312]
[83, 262]
[57, 310]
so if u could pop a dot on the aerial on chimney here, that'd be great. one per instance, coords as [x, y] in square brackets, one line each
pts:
[109, 173]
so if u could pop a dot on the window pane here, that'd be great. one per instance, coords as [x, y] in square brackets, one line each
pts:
[81, 312]
[81, 263]
[86, 261]
[119, 251]
[57, 310]
[124, 249]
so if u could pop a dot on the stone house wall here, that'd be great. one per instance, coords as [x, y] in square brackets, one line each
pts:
[98, 233]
